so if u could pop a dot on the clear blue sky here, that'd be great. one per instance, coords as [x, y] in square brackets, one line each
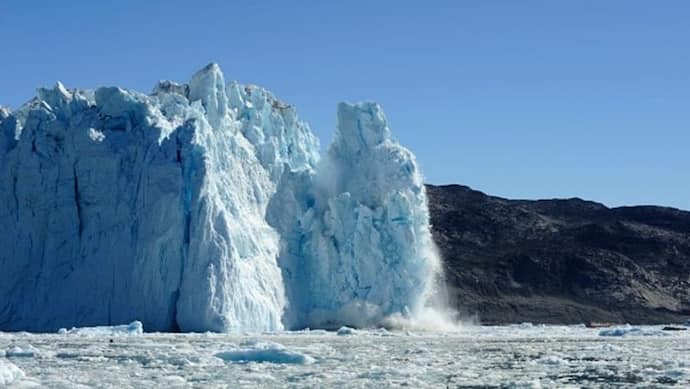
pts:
[527, 99]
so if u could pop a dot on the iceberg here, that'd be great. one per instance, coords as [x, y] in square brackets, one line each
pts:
[205, 206]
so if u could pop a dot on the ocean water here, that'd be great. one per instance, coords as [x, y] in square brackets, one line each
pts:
[522, 355]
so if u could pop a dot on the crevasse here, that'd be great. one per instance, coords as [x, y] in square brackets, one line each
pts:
[205, 206]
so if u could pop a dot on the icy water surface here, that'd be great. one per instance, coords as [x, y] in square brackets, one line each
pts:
[509, 356]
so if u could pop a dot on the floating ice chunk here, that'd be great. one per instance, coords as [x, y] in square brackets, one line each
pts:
[631, 331]
[382, 332]
[524, 325]
[310, 332]
[269, 352]
[551, 360]
[9, 373]
[22, 351]
[346, 331]
[534, 384]
[133, 328]
[96, 135]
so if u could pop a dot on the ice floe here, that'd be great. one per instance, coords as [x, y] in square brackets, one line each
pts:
[133, 328]
[269, 352]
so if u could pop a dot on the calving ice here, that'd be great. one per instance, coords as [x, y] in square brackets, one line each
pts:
[206, 206]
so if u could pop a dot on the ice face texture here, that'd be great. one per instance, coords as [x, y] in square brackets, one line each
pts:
[356, 240]
[205, 206]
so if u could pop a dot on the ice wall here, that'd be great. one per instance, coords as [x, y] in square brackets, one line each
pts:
[357, 246]
[204, 206]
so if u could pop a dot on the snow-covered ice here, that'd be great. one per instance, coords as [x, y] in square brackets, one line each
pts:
[206, 206]
[503, 356]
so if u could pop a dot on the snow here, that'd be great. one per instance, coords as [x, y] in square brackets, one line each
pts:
[269, 352]
[133, 328]
[9, 373]
[206, 207]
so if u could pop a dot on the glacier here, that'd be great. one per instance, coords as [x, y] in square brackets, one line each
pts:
[206, 206]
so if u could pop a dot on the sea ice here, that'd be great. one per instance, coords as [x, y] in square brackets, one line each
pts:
[9, 373]
[495, 356]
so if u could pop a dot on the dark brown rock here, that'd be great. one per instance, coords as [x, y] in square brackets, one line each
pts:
[561, 261]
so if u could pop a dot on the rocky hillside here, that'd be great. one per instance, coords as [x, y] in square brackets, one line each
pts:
[562, 261]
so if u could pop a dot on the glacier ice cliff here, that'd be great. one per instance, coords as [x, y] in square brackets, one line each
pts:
[205, 206]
